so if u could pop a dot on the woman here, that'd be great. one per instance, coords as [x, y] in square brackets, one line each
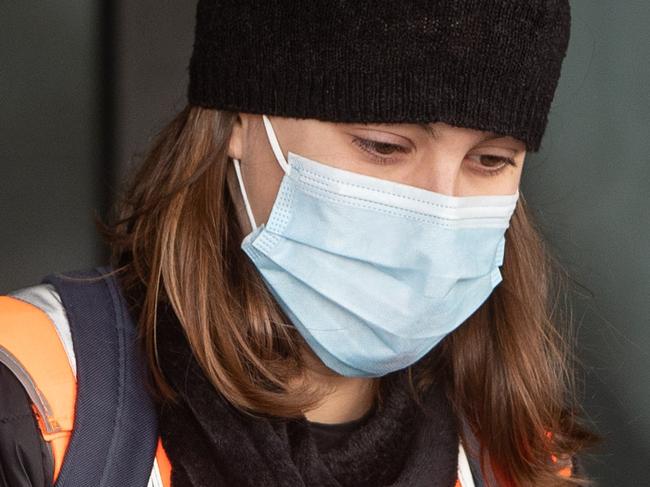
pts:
[332, 270]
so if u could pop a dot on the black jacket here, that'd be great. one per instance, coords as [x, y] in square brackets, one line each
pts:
[25, 458]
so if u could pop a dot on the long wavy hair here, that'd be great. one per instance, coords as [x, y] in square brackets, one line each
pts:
[508, 370]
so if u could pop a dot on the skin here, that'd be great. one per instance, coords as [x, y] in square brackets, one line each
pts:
[455, 161]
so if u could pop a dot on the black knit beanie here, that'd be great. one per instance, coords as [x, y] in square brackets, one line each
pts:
[484, 64]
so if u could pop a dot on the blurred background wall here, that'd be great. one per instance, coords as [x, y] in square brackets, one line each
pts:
[52, 103]
[591, 188]
[86, 84]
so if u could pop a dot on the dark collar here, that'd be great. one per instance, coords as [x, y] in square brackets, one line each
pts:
[210, 442]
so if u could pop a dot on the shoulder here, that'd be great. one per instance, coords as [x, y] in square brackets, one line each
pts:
[36, 345]
[33, 329]
[81, 320]
[39, 371]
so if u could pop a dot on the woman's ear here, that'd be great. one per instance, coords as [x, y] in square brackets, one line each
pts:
[236, 142]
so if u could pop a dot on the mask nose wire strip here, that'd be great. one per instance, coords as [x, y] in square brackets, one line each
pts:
[249, 210]
[275, 145]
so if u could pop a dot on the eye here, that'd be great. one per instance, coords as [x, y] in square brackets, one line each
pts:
[491, 165]
[379, 151]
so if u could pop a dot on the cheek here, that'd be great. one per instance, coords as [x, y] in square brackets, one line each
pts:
[509, 180]
[262, 181]
[512, 176]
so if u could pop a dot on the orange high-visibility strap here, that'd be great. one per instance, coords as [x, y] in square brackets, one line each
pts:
[35, 354]
[164, 466]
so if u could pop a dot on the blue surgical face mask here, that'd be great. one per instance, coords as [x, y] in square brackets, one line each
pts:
[371, 272]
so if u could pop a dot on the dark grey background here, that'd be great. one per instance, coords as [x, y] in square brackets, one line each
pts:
[85, 84]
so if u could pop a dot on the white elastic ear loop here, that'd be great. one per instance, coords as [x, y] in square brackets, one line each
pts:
[275, 145]
[249, 210]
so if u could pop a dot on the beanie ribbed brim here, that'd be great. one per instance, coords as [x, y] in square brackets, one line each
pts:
[493, 67]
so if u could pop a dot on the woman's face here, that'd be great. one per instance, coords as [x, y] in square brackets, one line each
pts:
[437, 157]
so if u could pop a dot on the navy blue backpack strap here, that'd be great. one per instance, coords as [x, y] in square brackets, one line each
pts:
[113, 442]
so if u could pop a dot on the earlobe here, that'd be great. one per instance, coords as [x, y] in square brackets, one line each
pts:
[236, 142]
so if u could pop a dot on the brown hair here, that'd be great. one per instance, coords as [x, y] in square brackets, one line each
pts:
[508, 370]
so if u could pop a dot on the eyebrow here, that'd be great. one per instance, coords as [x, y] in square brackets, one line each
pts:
[430, 130]
[435, 134]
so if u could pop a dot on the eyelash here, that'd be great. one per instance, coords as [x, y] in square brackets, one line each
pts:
[504, 161]
[371, 146]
